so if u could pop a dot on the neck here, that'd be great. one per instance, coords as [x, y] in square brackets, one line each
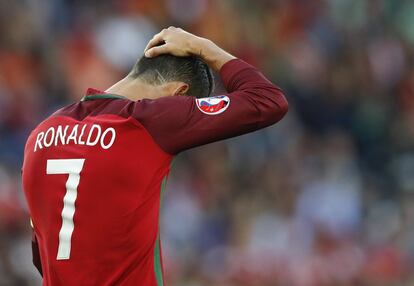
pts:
[135, 89]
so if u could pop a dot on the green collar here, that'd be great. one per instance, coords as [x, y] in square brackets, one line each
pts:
[102, 96]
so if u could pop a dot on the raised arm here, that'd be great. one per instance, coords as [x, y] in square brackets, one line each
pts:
[178, 123]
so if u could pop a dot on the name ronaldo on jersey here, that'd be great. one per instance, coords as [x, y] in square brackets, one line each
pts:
[86, 134]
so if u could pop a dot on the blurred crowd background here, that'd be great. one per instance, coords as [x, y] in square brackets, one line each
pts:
[324, 198]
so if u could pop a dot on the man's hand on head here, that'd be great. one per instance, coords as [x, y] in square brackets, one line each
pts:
[177, 42]
[174, 41]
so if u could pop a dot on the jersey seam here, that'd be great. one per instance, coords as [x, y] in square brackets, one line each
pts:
[150, 135]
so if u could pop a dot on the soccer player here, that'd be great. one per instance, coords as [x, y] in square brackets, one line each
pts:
[94, 171]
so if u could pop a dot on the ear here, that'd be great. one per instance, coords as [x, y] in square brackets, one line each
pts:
[181, 88]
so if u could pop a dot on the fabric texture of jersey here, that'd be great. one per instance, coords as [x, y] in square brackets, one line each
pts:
[94, 172]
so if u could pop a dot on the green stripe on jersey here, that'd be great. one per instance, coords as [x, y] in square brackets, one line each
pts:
[101, 96]
[157, 263]
[157, 252]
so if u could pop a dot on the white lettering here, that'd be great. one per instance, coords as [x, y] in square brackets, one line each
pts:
[61, 134]
[51, 131]
[39, 141]
[88, 141]
[112, 138]
[73, 135]
[80, 142]
[58, 135]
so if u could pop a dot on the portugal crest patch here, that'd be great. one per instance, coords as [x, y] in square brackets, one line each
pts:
[213, 105]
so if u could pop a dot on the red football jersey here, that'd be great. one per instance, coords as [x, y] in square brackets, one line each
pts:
[94, 172]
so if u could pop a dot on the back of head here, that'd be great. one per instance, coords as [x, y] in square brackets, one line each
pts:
[167, 68]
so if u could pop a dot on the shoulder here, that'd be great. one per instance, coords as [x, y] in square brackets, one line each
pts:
[157, 108]
[142, 110]
[81, 109]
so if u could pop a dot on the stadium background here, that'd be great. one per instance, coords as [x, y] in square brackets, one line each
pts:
[326, 197]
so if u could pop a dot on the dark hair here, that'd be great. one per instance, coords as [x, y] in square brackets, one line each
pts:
[166, 68]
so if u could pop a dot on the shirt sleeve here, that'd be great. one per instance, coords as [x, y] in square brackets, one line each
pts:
[178, 123]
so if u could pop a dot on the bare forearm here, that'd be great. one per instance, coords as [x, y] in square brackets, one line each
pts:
[212, 54]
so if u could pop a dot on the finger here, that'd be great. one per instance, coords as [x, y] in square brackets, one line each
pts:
[158, 50]
[156, 40]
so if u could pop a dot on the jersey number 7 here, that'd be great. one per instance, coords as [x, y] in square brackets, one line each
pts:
[73, 168]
